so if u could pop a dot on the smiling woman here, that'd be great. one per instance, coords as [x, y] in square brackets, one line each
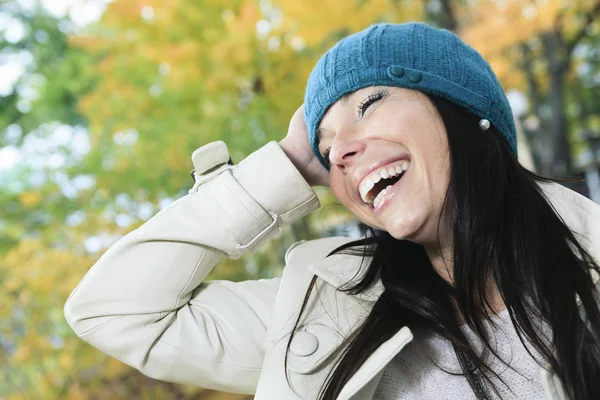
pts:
[475, 277]
[382, 128]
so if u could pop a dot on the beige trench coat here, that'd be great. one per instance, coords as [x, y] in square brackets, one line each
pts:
[146, 301]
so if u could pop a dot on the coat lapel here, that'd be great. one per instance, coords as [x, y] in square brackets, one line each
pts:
[340, 269]
[581, 215]
[374, 365]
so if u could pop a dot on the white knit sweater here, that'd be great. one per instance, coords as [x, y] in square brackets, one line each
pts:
[416, 374]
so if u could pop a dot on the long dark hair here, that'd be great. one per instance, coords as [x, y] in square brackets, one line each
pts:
[503, 228]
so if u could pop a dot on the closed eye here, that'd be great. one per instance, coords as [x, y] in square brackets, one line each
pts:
[366, 103]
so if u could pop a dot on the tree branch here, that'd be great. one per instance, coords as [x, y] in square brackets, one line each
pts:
[532, 83]
[594, 12]
[450, 21]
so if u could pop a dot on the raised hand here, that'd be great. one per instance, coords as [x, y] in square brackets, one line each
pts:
[297, 147]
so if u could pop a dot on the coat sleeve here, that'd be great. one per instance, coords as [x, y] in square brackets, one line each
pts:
[145, 301]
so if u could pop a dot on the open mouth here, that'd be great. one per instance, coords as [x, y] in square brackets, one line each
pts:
[374, 187]
[379, 190]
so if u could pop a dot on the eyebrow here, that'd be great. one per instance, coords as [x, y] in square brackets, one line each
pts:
[320, 131]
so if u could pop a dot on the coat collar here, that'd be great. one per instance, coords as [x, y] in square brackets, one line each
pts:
[579, 213]
[340, 269]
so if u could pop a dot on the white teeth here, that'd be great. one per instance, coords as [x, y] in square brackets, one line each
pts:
[384, 173]
[365, 187]
[379, 197]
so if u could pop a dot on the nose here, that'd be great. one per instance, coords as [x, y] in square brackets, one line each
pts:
[345, 152]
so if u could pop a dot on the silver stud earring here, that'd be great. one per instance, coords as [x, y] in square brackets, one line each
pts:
[484, 124]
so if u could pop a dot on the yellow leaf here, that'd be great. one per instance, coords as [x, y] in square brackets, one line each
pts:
[30, 199]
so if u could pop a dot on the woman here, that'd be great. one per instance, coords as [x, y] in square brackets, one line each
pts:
[475, 278]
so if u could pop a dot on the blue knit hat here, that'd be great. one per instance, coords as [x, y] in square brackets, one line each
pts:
[413, 56]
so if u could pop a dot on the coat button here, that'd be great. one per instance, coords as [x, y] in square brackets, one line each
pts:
[304, 343]
[397, 71]
[415, 76]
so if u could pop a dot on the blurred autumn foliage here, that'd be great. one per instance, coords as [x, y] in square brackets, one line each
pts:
[102, 119]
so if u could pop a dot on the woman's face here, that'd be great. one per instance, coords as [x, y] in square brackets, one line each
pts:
[376, 135]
